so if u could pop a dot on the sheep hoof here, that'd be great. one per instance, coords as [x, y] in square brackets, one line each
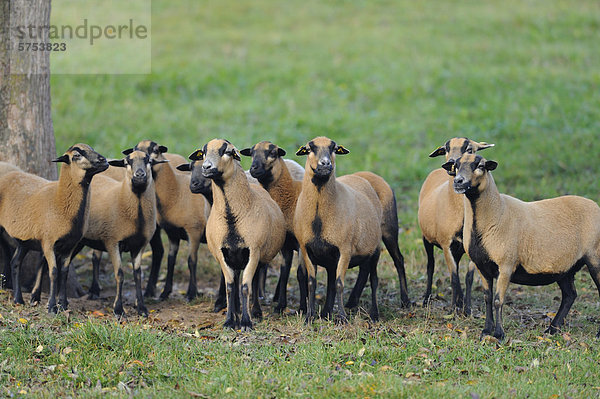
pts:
[191, 295]
[219, 306]
[35, 300]
[19, 301]
[374, 316]
[257, 314]
[53, 309]
[142, 311]
[279, 309]
[484, 334]
[426, 301]
[118, 311]
[406, 303]
[164, 295]
[229, 323]
[467, 312]
[551, 330]
[341, 319]
[246, 325]
[149, 293]
[93, 296]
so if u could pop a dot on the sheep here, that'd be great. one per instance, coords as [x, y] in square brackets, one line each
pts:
[245, 228]
[182, 215]
[6, 249]
[441, 220]
[337, 223]
[530, 243]
[201, 185]
[269, 168]
[49, 216]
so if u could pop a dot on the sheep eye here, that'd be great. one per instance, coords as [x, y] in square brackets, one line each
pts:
[469, 150]
[76, 156]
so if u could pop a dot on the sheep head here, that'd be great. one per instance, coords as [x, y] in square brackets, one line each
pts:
[471, 173]
[456, 147]
[321, 152]
[138, 166]
[220, 159]
[264, 156]
[87, 162]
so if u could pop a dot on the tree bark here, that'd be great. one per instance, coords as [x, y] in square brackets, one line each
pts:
[26, 131]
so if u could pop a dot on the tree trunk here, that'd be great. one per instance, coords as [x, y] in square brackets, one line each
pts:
[26, 133]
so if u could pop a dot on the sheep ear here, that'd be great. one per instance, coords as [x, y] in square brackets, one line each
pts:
[281, 152]
[156, 162]
[186, 167]
[162, 148]
[127, 151]
[119, 163]
[491, 165]
[246, 152]
[482, 145]
[235, 155]
[197, 155]
[63, 158]
[302, 151]
[450, 167]
[340, 150]
[439, 151]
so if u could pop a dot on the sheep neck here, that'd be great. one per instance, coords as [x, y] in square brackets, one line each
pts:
[166, 186]
[325, 194]
[483, 209]
[283, 189]
[72, 194]
[233, 193]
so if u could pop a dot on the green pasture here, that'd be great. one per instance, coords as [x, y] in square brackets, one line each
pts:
[391, 81]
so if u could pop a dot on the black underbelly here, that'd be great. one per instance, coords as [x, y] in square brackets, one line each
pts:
[236, 258]
[520, 276]
[174, 232]
[322, 253]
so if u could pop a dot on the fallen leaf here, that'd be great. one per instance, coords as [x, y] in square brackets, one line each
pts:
[137, 362]
[385, 368]
[535, 363]
[361, 352]
[23, 321]
[349, 363]
[39, 349]
[97, 313]
[228, 390]
[67, 350]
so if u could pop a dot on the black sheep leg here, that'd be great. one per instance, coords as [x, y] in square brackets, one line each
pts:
[430, 268]
[221, 301]
[256, 310]
[15, 265]
[327, 311]
[36, 292]
[390, 240]
[171, 259]
[567, 288]
[157, 254]
[361, 281]
[302, 277]
[281, 292]
[489, 311]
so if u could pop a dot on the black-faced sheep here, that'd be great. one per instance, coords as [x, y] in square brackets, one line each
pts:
[49, 216]
[245, 228]
[531, 243]
[337, 223]
[441, 217]
[182, 215]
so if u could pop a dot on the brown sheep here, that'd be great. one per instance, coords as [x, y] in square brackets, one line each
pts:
[245, 228]
[181, 214]
[530, 243]
[337, 223]
[441, 220]
[49, 216]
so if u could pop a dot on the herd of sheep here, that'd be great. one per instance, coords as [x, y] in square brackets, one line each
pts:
[247, 218]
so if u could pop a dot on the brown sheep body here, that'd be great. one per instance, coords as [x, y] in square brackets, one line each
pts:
[49, 216]
[531, 243]
[245, 229]
[441, 214]
[337, 223]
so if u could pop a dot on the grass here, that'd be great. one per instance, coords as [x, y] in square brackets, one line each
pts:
[390, 80]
